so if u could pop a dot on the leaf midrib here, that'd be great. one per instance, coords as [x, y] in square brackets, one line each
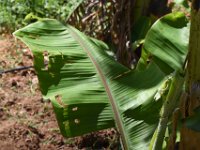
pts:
[117, 115]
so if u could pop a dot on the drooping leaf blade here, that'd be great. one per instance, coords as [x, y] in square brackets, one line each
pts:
[70, 74]
[86, 85]
[168, 40]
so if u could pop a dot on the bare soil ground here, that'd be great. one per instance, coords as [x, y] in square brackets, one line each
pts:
[27, 122]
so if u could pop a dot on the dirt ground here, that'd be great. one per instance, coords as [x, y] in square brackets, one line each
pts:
[27, 121]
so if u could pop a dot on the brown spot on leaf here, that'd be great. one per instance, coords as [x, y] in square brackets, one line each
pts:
[59, 100]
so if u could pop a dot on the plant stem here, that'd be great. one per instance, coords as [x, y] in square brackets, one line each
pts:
[167, 109]
[193, 71]
[192, 79]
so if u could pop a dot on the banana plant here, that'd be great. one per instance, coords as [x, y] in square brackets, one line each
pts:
[91, 91]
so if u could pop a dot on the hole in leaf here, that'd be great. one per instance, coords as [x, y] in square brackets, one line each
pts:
[74, 108]
[76, 121]
[59, 100]
[46, 60]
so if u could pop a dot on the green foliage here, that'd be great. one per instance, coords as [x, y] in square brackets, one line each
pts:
[13, 12]
[89, 83]
[90, 91]
[171, 53]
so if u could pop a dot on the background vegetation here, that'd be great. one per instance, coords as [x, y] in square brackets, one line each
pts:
[142, 44]
[13, 12]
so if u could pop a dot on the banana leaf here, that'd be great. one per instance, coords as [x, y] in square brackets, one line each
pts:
[89, 90]
[167, 41]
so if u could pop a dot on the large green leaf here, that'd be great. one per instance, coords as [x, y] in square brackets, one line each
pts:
[167, 44]
[88, 88]
[168, 40]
